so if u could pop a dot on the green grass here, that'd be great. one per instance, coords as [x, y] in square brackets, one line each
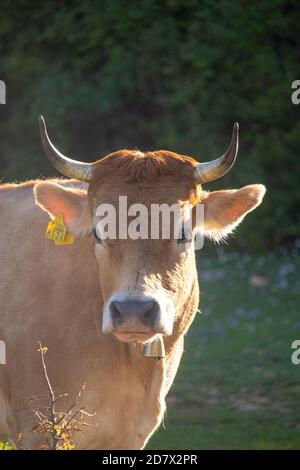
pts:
[236, 387]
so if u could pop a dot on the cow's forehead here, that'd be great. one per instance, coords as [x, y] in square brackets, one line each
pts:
[146, 178]
[158, 192]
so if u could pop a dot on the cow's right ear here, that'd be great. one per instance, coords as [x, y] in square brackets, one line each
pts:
[69, 202]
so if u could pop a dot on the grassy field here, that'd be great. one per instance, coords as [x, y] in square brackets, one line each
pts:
[237, 387]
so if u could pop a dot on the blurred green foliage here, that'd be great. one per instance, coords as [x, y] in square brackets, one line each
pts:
[6, 444]
[159, 74]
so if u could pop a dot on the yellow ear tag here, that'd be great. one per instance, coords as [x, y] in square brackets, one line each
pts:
[57, 232]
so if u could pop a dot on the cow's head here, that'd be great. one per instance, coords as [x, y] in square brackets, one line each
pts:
[145, 283]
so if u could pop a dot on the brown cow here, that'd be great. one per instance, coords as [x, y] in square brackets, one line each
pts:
[96, 303]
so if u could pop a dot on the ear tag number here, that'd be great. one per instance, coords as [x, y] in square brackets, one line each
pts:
[57, 232]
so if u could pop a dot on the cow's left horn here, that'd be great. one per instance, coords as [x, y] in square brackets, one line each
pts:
[68, 167]
[210, 171]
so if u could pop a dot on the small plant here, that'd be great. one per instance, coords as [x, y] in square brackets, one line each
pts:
[7, 444]
[58, 427]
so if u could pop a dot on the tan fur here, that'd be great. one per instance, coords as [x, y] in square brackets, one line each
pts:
[56, 295]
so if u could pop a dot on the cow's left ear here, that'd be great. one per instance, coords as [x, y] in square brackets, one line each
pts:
[69, 202]
[225, 210]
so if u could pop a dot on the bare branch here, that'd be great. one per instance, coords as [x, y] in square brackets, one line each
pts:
[58, 426]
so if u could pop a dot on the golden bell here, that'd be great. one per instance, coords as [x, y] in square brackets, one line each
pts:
[155, 348]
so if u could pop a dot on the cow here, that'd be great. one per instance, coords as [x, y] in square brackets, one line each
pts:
[98, 305]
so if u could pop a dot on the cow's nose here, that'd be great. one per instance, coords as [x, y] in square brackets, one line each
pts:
[145, 312]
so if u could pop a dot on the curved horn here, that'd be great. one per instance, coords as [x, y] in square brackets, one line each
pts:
[70, 168]
[210, 171]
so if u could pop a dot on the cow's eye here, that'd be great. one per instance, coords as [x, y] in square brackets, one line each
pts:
[185, 236]
[97, 238]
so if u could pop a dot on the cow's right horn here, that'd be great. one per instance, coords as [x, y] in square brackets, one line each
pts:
[66, 166]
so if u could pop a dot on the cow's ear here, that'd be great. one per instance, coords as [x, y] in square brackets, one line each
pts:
[225, 210]
[69, 202]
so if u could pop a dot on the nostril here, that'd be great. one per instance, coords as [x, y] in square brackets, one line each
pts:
[116, 315]
[151, 315]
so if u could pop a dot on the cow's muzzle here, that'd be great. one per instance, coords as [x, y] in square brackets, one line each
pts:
[144, 312]
[137, 317]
